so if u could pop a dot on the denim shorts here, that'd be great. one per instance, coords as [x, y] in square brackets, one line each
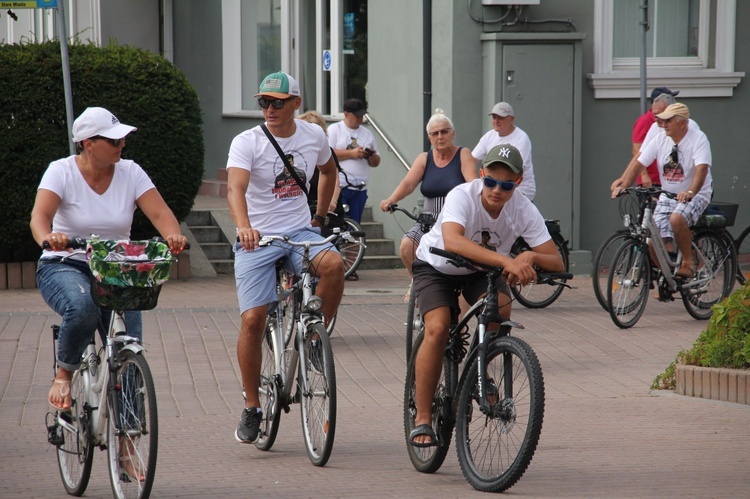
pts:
[255, 271]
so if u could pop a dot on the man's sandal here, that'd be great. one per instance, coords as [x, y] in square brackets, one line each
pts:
[129, 469]
[60, 388]
[423, 430]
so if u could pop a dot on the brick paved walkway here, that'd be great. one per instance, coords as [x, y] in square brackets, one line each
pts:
[604, 435]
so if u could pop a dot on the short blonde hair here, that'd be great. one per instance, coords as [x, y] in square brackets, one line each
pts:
[437, 117]
[314, 117]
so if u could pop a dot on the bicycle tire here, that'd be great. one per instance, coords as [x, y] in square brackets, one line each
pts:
[720, 257]
[628, 284]
[742, 245]
[352, 253]
[542, 295]
[317, 390]
[495, 449]
[75, 455]
[429, 459]
[268, 393]
[605, 255]
[132, 426]
[413, 322]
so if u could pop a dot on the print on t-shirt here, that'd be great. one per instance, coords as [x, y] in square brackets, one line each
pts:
[285, 187]
[353, 144]
[484, 239]
[673, 171]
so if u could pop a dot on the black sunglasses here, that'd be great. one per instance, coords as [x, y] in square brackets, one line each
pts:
[673, 157]
[276, 103]
[114, 142]
[505, 185]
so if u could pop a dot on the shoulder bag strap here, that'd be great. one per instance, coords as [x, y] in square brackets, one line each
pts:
[284, 159]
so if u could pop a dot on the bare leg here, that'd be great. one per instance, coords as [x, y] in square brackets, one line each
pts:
[429, 364]
[329, 268]
[408, 251]
[683, 237]
[249, 353]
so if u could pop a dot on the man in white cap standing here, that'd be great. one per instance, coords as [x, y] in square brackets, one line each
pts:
[265, 198]
[504, 131]
[683, 155]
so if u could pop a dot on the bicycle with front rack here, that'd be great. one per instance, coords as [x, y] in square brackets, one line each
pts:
[113, 401]
[496, 404]
[297, 365]
[631, 272]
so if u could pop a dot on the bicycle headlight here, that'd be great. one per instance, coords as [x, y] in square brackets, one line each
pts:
[314, 304]
[626, 220]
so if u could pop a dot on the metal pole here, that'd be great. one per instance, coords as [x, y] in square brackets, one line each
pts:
[63, 36]
[426, 66]
[644, 25]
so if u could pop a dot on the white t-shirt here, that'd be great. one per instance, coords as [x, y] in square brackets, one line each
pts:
[694, 149]
[463, 205]
[276, 205]
[655, 128]
[341, 136]
[82, 212]
[521, 141]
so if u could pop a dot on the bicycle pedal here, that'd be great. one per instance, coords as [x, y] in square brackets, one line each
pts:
[55, 436]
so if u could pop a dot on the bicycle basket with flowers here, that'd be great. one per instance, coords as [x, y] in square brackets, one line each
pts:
[127, 275]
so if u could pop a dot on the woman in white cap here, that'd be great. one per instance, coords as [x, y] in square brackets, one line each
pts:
[92, 192]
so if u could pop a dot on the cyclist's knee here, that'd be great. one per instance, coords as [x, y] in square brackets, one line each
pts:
[254, 321]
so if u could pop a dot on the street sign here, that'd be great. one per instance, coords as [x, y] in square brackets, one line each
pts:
[29, 4]
[327, 60]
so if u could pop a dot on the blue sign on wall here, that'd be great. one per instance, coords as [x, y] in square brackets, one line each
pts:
[327, 60]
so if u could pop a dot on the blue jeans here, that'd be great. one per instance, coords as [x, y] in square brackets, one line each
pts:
[66, 288]
[356, 200]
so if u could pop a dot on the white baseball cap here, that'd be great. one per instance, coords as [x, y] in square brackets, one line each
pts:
[502, 109]
[98, 121]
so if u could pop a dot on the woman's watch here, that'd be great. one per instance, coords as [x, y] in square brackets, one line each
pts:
[321, 219]
[692, 194]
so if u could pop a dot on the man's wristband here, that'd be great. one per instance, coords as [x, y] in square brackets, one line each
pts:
[321, 219]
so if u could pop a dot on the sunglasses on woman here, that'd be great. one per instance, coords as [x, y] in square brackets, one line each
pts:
[276, 103]
[113, 142]
[491, 183]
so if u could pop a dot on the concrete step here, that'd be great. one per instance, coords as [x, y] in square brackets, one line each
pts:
[217, 251]
[223, 266]
[374, 262]
[379, 247]
[198, 217]
[207, 233]
[373, 230]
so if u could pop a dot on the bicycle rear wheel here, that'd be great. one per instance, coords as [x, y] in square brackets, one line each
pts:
[628, 284]
[429, 459]
[352, 253]
[742, 245]
[495, 449]
[317, 385]
[605, 255]
[75, 454]
[268, 392]
[413, 322]
[718, 268]
[132, 428]
[542, 295]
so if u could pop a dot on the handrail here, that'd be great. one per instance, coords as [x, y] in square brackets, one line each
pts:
[387, 142]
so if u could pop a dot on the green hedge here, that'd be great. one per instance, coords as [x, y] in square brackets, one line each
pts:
[142, 89]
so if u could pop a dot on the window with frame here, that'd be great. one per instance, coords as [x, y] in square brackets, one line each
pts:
[690, 47]
[264, 36]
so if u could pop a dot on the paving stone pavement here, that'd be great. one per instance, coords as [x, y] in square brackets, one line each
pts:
[605, 434]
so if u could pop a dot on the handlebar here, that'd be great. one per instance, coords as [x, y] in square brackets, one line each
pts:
[426, 220]
[77, 243]
[648, 191]
[543, 277]
[267, 240]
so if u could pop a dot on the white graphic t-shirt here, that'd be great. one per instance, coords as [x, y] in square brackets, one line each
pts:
[341, 136]
[275, 202]
[677, 163]
[520, 140]
[463, 205]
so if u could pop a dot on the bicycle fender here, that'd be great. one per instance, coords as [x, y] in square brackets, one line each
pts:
[136, 348]
[513, 324]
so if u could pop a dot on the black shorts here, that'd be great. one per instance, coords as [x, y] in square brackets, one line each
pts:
[435, 289]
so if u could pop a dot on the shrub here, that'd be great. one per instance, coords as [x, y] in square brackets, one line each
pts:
[724, 343]
[142, 89]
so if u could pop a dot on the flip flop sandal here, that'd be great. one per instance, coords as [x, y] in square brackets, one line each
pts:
[128, 473]
[684, 274]
[63, 391]
[423, 429]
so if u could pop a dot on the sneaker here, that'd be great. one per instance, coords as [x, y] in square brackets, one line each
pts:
[316, 355]
[249, 425]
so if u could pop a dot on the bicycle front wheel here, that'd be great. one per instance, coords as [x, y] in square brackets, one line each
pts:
[352, 253]
[268, 392]
[132, 428]
[413, 322]
[429, 459]
[628, 284]
[76, 452]
[542, 295]
[317, 390]
[495, 448]
[605, 255]
[715, 261]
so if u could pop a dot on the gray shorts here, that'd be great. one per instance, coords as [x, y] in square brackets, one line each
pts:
[435, 289]
[690, 211]
[255, 271]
